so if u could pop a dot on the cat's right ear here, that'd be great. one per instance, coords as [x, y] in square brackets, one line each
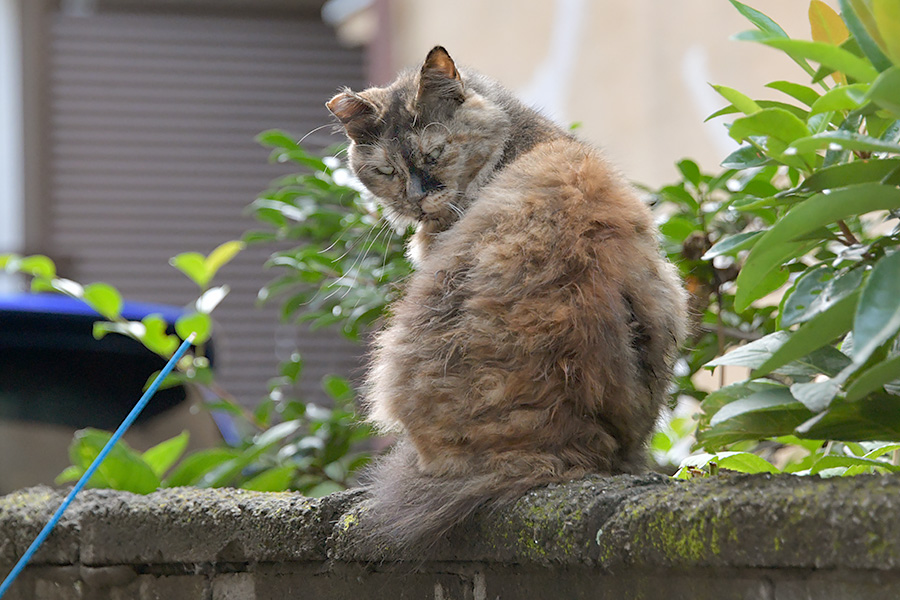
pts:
[356, 114]
[439, 77]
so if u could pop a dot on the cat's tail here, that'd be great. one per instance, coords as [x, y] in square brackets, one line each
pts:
[412, 510]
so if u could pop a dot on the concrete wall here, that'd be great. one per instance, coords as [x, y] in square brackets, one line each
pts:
[634, 73]
[617, 538]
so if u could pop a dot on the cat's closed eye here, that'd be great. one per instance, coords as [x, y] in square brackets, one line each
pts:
[432, 157]
[386, 170]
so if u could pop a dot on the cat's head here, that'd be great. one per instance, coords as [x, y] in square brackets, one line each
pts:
[424, 144]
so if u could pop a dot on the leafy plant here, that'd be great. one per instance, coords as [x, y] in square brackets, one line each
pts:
[825, 168]
[284, 445]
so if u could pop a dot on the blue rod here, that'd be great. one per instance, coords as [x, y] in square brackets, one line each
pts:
[45, 532]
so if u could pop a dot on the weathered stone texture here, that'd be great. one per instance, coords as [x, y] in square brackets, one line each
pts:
[759, 536]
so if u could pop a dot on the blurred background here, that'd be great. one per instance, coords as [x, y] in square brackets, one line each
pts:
[127, 131]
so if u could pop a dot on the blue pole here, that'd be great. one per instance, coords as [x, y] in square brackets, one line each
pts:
[45, 532]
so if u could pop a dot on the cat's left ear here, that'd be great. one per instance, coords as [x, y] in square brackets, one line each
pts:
[356, 114]
[439, 77]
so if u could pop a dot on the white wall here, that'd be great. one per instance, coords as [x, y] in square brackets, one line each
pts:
[12, 225]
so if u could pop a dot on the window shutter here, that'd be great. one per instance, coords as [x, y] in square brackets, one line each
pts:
[150, 122]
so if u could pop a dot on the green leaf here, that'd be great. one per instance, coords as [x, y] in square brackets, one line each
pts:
[745, 157]
[732, 244]
[196, 465]
[677, 228]
[776, 245]
[761, 21]
[858, 171]
[743, 462]
[37, 265]
[875, 417]
[123, 468]
[738, 100]
[776, 123]
[193, 265]
[874, 379]
[845, 97]
[804, 94]
[132, 329]
[690, 171]
[832, 57]
[816, 291]
[196, 323]
[878, 312]
[162, 456]
[105, 299]
[825, 327]
[276, 479]
[225, 473]
[221, 256]
[885, 92]
[337, 388]
[850, 10]
[324, 488]
[276, 138]
[70, 473]
[887, 19]
[843, 140]
[831, 461]
[155, 337]
[816, 395]
[765, 409]
[754, 353]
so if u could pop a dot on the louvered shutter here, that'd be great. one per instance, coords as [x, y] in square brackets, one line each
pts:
[150, 120]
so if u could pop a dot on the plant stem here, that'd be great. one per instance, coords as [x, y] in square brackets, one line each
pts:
[848, 235]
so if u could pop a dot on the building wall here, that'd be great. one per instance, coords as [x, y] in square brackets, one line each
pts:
[633, 73]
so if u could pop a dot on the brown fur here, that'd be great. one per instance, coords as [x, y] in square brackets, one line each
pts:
[534, 342]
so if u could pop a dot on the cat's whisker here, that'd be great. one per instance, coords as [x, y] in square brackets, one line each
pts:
[319, 128]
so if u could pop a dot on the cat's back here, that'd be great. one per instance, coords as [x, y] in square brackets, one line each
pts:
[556, 207]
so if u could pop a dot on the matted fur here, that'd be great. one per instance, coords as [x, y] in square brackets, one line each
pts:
[534, 341]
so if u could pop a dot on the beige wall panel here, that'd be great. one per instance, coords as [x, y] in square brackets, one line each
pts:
[638, 73]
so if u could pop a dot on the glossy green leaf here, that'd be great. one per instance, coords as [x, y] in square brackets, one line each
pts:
[878, 312]
[845, 97]
[225, 473]
[761, 21]
[816, 395]
[162, 456]
[850, 10]
[776, 245]
[193, 265]
[819, 331]
[733, 244]
[843, 140]
[875, 417]
[777, 413]
[276, 479]
[105, 299]
[677, 228]
[133, 329]
[816, 291]
[832, 57]
[874, 379]
[337, 388]
[197, 323]
[858, 171]
[885, 92]
[745, 157]
[752, 354]
[210, 299]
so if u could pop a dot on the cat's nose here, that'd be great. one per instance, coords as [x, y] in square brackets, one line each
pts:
[421, 184]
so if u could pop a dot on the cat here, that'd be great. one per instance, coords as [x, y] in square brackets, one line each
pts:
[534, 341]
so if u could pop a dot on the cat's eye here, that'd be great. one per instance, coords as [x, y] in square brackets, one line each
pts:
[386, 170]
[434, 154]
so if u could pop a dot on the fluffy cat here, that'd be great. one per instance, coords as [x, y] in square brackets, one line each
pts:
[534, 341]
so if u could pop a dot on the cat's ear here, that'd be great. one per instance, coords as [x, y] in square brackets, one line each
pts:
[439, 77]
[356, 114]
